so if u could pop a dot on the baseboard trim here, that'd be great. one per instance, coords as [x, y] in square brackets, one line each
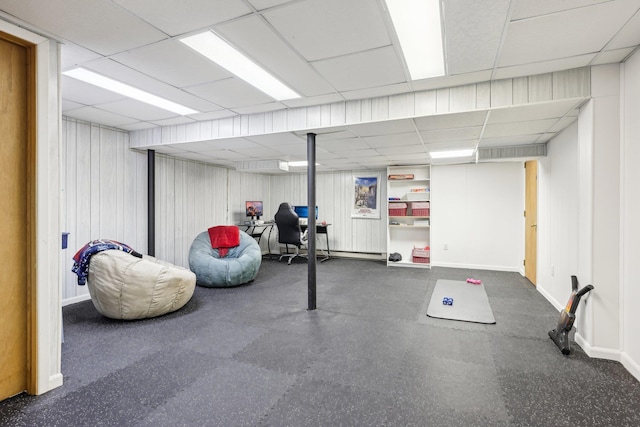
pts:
[631, 365]
[75, 300]
[597, 352]
[476, 266]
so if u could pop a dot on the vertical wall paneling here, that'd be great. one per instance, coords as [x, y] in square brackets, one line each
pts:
[102, 183]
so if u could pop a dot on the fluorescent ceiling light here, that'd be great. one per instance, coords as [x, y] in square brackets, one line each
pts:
[302, 163]
[99, 80]
[225, 55]
[453, 153]
[417, 24]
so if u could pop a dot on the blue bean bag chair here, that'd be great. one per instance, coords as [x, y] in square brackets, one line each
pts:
[240, 265]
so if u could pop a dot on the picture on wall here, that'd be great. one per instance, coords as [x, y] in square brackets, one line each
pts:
[366, 196]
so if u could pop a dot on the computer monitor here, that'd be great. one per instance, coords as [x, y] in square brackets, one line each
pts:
[303, 211]
[253, 208]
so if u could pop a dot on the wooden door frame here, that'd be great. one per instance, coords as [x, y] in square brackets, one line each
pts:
[30, 232]
[527, 224]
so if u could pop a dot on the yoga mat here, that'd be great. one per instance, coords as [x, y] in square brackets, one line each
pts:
[470, 302]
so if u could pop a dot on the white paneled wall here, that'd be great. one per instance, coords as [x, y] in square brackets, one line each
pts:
[103, 193]
[190, 198]
[334, 197]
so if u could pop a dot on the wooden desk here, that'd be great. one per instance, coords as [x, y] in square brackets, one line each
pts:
[321, 229]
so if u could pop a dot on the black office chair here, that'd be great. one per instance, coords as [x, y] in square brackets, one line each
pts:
[289, 231]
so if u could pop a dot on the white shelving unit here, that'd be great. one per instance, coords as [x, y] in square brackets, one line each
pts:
[412, 230]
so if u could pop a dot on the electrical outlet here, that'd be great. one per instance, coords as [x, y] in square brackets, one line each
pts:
[446, 247]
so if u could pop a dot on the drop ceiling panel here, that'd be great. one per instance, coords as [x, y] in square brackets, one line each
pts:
[259, 108]
[178, 120]
[528, 8]
[97, 25]
[186, 67]
[374, 92]
[230, 93]
[186, 15]
[266, 4]
[404, 149]
[565, 34]
[544, 67]
[563, 123]
[444, 135]
[397, 140]
[473, 30]
[448, 121]
[383, 128]
[276, 139]
[137, 126]
[225, 155]
[138, 110]
[298, 152]
[612, 56]
[124, 74]
[73, 55]
[259, 152]
[95, 115]
[360, 153]
[451, 145]
[86, 94]
[377, 67]
[629, 35]
[338, 146]
[320, 29]
[254, 37]
[520, 128]
[545, 110]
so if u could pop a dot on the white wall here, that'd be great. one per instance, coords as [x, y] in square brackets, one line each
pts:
[558, 217]
[103, 193]
[630, 212]
[477, 212]
[334, 197]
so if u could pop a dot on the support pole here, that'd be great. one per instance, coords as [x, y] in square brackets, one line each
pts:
[311, 205]
[151, 202]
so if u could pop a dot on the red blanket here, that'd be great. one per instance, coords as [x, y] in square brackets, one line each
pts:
[224, 237]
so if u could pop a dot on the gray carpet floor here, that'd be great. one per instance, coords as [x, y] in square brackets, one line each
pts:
[368, 356]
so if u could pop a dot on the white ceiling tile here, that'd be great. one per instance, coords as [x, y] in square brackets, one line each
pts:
[530, 8]
[230, 93]
[259, 108]
[544, 110]
[214, 115]
[73, 55]
[313, 100]
[225, 155]
[451, 145]
[193, 156]
[256, 39]
[178, 120]
[292, 150]
[233, 143]
[266, 4]
[95, 115]
[520, 128]
[86, 94]
[443, 135]
[186, 15]
[449, 121]
[383, 128]
[138, 126]
[343, 145]
[375, 92]
[562, 124]
[453, 80]
[473, 32]
[543, 67]
[562, 35]
[321, 29]
[262, 152]
[185, 66]
[405, 149]
[275, 139]
[167, 149]
[360, 153]
[396, 140]
[371, 68]
[97, 25]
[138, 110]
[70, 105]
[612, 56]
[629, 35]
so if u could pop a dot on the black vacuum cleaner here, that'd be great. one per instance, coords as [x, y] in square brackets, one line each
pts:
[560, 335]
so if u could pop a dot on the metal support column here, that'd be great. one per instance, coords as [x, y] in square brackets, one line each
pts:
[151, 202]
[311, 204]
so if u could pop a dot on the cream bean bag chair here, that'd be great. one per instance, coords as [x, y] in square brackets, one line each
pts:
[123, 286]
